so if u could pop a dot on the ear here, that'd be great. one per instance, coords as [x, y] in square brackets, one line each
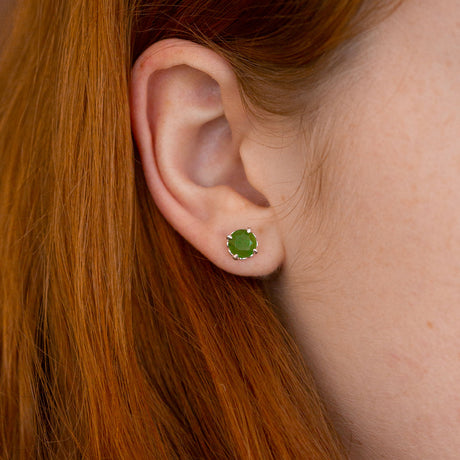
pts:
[193, 136]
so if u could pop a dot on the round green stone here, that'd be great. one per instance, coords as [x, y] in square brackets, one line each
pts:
[242, 243]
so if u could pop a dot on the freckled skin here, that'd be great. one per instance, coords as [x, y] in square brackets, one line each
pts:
[373, 294]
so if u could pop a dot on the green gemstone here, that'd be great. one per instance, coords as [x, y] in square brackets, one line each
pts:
[242, 243]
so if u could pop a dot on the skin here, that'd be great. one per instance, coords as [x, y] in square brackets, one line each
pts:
[368, 276]
[381, 324]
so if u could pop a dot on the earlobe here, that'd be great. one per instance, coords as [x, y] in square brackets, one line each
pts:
[189, 125]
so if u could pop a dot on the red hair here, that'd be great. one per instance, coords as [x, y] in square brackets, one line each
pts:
[118, 339]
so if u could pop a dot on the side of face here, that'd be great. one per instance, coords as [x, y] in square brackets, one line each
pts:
[377, 313]
[370, 271]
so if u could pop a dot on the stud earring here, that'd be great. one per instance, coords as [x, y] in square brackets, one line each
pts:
[242, 244]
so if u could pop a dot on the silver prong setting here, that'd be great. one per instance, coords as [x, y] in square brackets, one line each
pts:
[239, 248]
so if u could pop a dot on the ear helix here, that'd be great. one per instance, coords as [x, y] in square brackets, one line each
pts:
[242, 244]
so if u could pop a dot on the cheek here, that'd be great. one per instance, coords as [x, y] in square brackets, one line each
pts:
[400, 173]
[398, 180]
[401, 208]
[396, 266]
[404, 188]
[398, 195]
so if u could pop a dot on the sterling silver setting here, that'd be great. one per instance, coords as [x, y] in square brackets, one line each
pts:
[236, 256]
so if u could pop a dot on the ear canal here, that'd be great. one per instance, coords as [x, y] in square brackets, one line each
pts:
[244, 188]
